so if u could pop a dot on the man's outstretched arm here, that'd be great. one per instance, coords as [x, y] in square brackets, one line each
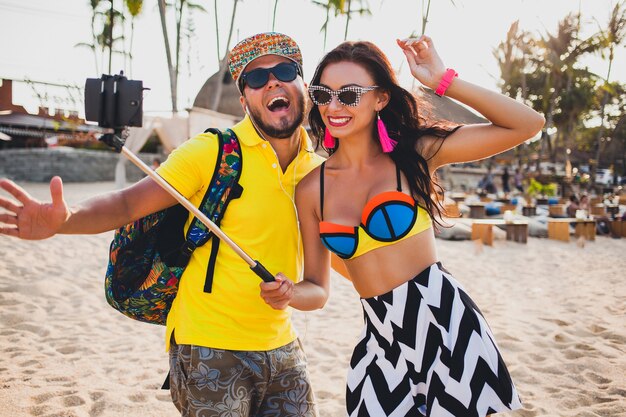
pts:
[28, 218]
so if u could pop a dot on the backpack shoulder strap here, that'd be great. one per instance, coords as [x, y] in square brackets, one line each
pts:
[223, 188]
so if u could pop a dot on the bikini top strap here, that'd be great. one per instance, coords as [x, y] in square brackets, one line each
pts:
[322, 189]
[398, 178]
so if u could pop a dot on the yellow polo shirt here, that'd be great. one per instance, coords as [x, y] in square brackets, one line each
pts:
[262, 222]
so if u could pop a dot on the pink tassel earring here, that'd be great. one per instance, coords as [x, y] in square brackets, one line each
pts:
[329, 140]
[386, 142]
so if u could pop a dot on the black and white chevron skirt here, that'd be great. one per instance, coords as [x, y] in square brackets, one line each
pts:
[426, 350]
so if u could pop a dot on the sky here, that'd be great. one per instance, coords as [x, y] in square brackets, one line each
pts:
[39, 38]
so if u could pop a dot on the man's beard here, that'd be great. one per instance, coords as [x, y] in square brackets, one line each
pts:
[285, 129]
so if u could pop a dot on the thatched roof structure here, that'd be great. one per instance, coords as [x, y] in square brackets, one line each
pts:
[229, 104]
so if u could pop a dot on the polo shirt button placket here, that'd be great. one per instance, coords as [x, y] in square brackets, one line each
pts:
[274, 165]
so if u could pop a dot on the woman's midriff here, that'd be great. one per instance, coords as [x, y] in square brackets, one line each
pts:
[383, 269]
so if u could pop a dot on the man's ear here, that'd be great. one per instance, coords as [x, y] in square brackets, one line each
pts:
[244, 105]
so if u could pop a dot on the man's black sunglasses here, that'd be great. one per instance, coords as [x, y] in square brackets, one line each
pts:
[257, 78]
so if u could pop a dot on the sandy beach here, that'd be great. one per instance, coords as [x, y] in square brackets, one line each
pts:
[558, 312]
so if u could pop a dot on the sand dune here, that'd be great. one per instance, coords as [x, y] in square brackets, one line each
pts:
[558, 312]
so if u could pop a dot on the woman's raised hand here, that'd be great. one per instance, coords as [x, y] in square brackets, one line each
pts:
[423, 60]
[31, 219]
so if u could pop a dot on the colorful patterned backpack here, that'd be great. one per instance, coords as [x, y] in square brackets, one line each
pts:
[148, 256]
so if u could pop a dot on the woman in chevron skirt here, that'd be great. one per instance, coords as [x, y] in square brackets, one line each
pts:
[426, 349]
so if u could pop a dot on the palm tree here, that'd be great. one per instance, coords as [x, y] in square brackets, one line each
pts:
[174, 65]
[134, 8]
[217, 97]
[341, 7]
[335, 5]
[363, 10]
[426, 12]
[217, 33]
[576, 103]
[94, 14]
[556, 67]
[274, 15]
[106, 37]
[512, 56]
[104, 18]
[612, 37]
[168, 55]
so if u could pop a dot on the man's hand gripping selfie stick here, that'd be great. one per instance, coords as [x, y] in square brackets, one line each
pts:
[114, 141]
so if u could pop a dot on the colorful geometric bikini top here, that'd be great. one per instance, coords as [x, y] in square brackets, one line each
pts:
[387, 218]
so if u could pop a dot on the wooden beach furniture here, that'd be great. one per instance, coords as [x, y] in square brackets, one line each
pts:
[529, 211]
[458, 197]
[516, 230]
[477, 210]
[452, 210]
[598, 210]
[558, 229]
[508, 206]
[618, 228]
[556, 210]
[586, 229]
[612, 209]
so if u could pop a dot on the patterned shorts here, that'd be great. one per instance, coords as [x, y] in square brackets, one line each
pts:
[426, 350]
[207, 382]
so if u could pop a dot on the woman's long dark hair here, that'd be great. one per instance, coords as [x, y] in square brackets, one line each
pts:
[401, 117]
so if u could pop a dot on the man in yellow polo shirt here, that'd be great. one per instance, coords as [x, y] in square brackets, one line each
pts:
[230, 352]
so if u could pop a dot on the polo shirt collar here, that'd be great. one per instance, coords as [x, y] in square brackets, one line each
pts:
[247, 134]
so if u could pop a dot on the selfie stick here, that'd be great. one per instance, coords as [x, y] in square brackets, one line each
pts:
[114, 141]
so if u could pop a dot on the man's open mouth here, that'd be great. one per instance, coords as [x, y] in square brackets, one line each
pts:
[278, 103]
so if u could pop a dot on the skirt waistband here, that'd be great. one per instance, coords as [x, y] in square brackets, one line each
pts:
[423, 275]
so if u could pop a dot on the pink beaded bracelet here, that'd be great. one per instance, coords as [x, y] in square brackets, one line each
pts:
[445, 82]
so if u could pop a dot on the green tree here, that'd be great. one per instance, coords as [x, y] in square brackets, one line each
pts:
[274, 15]
[513, 57]
[173, 63]
[611, 37]
[362, 10]
[330, 5]
[104, 19]
[426, 13]
[556, 70]
[134, 8]
[217, 97]
[94, 37]
[344, 8]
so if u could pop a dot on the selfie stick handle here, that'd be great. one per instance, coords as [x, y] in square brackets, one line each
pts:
[115, 142]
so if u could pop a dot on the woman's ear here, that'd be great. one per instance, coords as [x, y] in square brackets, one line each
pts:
[383, 99]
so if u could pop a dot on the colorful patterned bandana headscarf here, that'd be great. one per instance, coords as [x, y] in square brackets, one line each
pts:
[269, 43]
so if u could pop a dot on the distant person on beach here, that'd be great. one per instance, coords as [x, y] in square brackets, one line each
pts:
[584, 203]
[230, 354]
[572, 206]
[505, 180]
[603, 223]
[426, 349]
[486, 183]
[518, 179]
